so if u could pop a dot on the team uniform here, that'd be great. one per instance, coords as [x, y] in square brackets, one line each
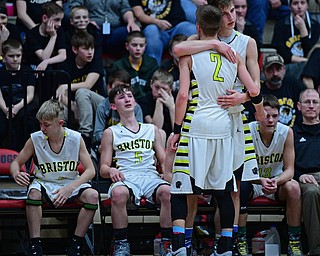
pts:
[270, 158]
[205, 151]
[134, 156]
[56, 170]
[243, 150]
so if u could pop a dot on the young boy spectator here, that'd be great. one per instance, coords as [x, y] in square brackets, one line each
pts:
[79, 21]
[138, 64]
[16, 75]
[105, 115]
[87, 87]
[161, 20]
[45, 43]
[59, 149]
[158, 107]
[136, 145]
[172, 65]
[273, 143]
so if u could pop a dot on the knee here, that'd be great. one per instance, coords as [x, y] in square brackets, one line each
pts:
[311, 192]
[151, 31]
[81, 93]
[34, 194]
[93, 196]
[163, 194]
[119, 196]
[292, 190]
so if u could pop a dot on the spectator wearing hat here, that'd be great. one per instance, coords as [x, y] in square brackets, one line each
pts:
[285, 88]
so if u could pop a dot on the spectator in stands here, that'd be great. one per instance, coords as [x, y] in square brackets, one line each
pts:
[114, 18]
[172, 64]
[135, 175]
[86, 78]
[310, 74]
[79, 21]
[159, 104]
[7, 30]
[273, 143]
[45, 43]
[161, 20]
[307, 165]
[11, 77]
[190, 7]
[295, 35]
[105, 115]
[285, 88]
[138, 64]
[59, 149]
[29, 13]
[261, 10]
[243, 25]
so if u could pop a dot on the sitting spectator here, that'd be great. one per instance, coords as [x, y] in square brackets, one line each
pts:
[172, 64]
[87, 87]
[79, 21]
[310, 74]
[29, 13]
[105, 115]
[138, 64]
[307, 165]
[161, 20]
[285, 88]
[261, 10]
[243, 25]
[273, 140]
[12, 56]
[114, 18]
[59, 149]
[158, 106]
[136, 175]
[295, 35]
[7, 30]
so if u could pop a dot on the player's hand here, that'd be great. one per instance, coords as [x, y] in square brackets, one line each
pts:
[307, 178]
[116, 175]
[62, 195]
[163, 24]
[269, 186]
[22, 179]
[174, 142]
[227, 52]
[233, 98]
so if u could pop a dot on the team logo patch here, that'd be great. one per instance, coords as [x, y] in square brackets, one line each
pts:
[178, 184]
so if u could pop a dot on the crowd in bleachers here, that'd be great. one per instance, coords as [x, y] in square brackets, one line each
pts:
[79, 37]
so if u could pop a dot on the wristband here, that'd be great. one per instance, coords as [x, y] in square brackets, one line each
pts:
[257, 99]
[177, 128]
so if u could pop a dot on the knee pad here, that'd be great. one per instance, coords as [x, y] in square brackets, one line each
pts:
[91, 207]
[33, 202]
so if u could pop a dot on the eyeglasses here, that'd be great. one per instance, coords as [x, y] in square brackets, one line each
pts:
[309, 102]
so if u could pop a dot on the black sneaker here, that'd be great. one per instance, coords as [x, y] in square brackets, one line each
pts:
[74, 250]
[35, 250]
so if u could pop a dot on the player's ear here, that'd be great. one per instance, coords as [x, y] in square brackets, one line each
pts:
[61, 122]
[113, 106]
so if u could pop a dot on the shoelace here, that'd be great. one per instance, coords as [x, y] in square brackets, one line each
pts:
[242, 247]
[295, 247]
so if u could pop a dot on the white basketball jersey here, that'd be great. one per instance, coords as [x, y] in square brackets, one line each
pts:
[213, 74]
[270, 158]
[134, 150]
[57, 167]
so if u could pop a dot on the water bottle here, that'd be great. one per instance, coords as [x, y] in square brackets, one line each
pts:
[156, 245]
[258, 243]
[272, 244]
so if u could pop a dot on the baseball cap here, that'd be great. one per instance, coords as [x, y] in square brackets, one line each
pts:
[272, 59]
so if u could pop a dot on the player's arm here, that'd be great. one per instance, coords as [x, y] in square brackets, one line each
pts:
[160, 152]
[106, 169]
[22, 178]
[252, 61]
[288, 160]
[190, 47]
[253, 90]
